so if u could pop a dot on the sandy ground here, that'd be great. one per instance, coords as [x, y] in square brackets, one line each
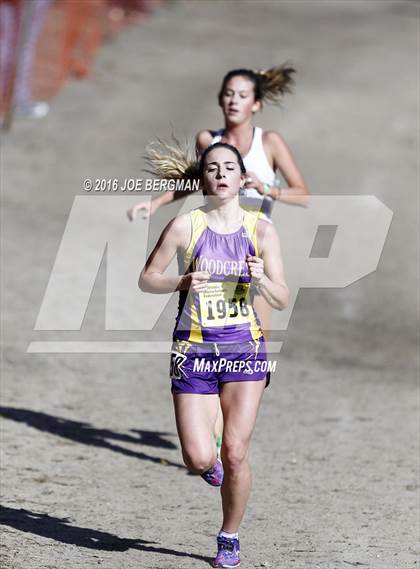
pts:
[92, 473]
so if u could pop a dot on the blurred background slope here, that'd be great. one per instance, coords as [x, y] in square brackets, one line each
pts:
[43, 42]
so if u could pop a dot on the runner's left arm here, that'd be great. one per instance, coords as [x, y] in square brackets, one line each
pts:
[267, 270]
[296, 191]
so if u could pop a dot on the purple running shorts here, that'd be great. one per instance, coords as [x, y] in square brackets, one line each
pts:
[203, 367]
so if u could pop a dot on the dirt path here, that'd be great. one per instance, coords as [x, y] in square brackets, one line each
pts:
[92, 473]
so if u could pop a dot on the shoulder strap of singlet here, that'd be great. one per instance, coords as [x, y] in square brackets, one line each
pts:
[250, 224]
[257, 141]
[198, 225]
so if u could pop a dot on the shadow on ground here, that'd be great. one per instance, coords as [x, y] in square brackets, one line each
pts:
[59, 529]
[85, 433]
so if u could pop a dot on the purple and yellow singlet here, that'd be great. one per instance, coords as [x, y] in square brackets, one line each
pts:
[224, 312]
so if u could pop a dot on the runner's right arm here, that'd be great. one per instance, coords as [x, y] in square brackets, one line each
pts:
[176, 235]
[203, 139]
[150, 207]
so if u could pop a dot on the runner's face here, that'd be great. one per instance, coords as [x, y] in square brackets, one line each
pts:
[222, 177]
[238, 100]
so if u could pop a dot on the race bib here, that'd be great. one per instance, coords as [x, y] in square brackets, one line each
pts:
[225, 304]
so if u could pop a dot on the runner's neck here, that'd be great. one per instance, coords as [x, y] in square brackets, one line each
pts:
[227, 218]
[234, 134]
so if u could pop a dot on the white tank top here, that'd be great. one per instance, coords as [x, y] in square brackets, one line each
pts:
[255, 161]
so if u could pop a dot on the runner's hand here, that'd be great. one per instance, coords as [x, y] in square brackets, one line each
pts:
[251, 181]
[147, 209]
[197, 281]
[256, 268]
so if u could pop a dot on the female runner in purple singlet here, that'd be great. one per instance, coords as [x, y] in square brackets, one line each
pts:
[224, 253]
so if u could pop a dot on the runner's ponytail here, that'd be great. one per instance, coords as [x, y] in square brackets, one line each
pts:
[171, 160]
[276, 82]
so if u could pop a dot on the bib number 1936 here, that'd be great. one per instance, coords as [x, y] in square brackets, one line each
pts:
[224, 304]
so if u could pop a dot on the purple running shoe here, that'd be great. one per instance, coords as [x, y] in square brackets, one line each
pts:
[214, 476]
[227, 552]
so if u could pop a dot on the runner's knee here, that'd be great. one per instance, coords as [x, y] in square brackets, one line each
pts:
[234, 454]
[198, 460]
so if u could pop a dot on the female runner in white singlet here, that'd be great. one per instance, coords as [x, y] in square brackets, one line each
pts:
[272, 173]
